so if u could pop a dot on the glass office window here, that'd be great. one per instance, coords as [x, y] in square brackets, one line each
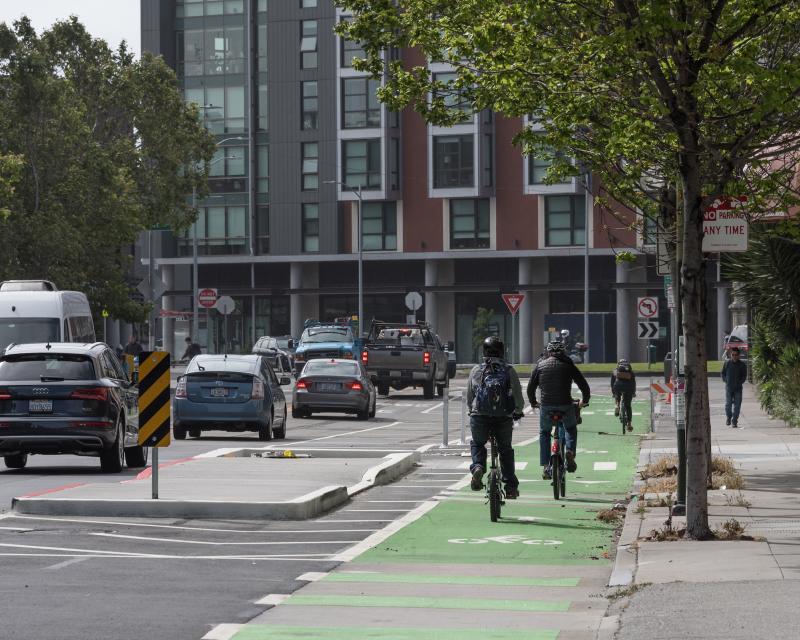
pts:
[361, 160]
[453, 162]
[379, 226]
[469, 224]
[310, 102]
[308, 44]
[361, 107]
[565, 221]
[310, 228]
[310, 165]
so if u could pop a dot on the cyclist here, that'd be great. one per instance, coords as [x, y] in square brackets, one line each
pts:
[494, 398]
[623, 387]
[554, 374]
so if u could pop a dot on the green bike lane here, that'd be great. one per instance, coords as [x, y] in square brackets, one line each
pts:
[452, 573]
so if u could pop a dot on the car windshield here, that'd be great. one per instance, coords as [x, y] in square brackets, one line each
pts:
[327, 368]
[44, 367]
[28, 330]
[327, 335]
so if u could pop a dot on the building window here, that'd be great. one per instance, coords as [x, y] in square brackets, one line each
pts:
[453, 162]
[262, 229]
[308, 4]
[565, 221]
[220, 231]
[310, 165]
[361, 107]
[308, 44]
[263, 108]
[222, 109]
[350, 49]
[310, 227]
[469, 224]
[394, 164]
[224, 51]
[453, 98]
[649, 230]
[262, 185]
[487, 160]
[539, 163]
[261, 34]
[310, 99]
[379, 226]
[361, 160]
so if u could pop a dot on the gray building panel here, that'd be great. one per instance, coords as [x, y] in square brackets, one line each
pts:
[158, 35]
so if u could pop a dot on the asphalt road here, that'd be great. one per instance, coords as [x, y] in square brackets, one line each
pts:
[85, 578]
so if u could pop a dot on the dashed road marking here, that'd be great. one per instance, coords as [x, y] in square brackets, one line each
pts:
[223, 632]
[519, 466]
[273, 599]
[605, 466]
[312, 576]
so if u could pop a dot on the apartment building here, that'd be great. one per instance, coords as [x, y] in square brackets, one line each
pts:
[457, 214]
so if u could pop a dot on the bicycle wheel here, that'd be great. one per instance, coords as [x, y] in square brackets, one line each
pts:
[557, 470]
[494, 495]
[563, 484]
[622, 417]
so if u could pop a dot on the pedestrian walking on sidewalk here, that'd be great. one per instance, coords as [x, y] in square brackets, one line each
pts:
[734, 373]
[494, 398]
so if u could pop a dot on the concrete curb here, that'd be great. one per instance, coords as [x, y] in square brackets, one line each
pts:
[626, 558]
[304, 507]
[395, 465]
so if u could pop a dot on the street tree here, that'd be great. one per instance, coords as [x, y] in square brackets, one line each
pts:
[99, 146]
[695, 99]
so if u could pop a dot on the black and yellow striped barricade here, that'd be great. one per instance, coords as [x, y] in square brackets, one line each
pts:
[155, 411]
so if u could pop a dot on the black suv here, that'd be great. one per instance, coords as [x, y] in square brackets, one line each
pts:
[68, 398]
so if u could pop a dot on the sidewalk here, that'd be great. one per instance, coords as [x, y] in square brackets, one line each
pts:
[720, 589]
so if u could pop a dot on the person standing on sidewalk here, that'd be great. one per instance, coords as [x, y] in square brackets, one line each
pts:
[494, 398]
[555, 374]
[734, 373]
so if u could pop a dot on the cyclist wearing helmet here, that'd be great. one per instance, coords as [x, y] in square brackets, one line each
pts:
[494, 398]
[623, 386]
[554, 374]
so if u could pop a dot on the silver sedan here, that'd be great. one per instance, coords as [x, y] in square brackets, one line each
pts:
[334, 385]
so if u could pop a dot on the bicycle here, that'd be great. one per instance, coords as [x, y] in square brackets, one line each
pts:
[558, 455]
[494, 487]
[624, 418]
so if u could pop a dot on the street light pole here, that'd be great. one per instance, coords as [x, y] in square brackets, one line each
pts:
[588, 213]
[360, 269]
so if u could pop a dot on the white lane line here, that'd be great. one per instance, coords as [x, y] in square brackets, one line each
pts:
[81, 551]
[217, 453]
[525, 443]
[605, 466]
[347, 433]
[23, 529]
[383, 534]
[291, 557]
[273, 599]
[312, 576]
[519, 466]
[433, 408]
[586, 413]
[220, 544]
[377, 510]
[412, 486]
[343, 521]
[441, 473]
[592, 481]
[223, 632]
[390, 502]
[66, 563]
[636, 413]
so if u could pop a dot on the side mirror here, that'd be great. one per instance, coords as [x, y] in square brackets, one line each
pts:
[451, 346]
[285, 380]
[291, 344]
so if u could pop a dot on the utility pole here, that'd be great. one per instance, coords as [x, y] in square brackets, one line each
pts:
[587, 226]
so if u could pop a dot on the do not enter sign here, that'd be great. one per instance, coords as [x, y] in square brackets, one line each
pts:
[207, 298]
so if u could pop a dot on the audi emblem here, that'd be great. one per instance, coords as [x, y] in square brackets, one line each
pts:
[41, 391]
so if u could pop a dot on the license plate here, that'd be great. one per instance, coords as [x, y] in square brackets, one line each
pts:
[219, 392]
[394, 374]
[40, 406]
[326, 387]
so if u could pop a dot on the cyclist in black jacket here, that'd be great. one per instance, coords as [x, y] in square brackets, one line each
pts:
[554, 374]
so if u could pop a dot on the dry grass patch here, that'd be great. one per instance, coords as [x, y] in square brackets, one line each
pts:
[664, 466]
[661, 476]
[613, 515]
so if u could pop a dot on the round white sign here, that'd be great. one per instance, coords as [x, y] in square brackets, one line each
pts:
[225, 305]
[413, 301]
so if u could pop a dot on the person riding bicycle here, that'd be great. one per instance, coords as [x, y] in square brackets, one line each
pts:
[494, 398]
[623, 387]
[555, 374]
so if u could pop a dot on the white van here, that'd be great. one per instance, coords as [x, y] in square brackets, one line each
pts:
[44, 316]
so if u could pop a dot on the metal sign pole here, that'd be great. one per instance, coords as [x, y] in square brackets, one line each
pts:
[462, 439]
[155, 473]
[446, 414]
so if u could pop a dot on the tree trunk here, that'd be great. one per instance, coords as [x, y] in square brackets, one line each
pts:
[694, 299]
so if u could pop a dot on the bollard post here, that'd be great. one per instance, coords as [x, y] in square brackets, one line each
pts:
[446, 414]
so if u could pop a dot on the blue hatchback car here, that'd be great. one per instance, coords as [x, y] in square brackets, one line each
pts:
[230, 393]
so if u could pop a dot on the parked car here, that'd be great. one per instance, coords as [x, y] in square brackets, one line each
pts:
[404, 355]
[335, 385]
[450, 351]
[324, 341]
[64, 398]
[230, 393]
[279, 358]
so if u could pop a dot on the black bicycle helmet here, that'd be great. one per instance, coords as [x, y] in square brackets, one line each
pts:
[623, 361]
[556, 347]
[493, 347]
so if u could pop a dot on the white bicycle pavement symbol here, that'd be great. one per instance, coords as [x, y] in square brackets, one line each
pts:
[510, 539]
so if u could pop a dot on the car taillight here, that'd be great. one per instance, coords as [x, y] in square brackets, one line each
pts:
[180, 390]
[258, 390]
[95, 393]
[355, 385]
[5, 395]
[301, 384]
[426, 358]
[365, 357]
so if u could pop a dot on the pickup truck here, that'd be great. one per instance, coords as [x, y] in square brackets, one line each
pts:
[324, 341]
[403, 355]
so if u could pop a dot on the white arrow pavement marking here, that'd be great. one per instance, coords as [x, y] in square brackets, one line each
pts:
[605, 466]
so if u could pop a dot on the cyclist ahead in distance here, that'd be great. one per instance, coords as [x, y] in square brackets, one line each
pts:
[494, 398]
[623, 386]
[554, 374]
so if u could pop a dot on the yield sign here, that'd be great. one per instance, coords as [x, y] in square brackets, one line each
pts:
[513, 301]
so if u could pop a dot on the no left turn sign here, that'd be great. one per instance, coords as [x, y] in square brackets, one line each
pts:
[647, 307]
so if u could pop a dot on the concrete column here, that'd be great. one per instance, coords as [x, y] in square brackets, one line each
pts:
[625, 320]
[168, 304]
[525, 319]
[309, 304]
[540, 304]
[113, 334]
[446, 302]
[431, 297]
[723, 320]
[295, 302]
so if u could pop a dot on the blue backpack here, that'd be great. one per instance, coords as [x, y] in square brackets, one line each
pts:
[494, 396]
